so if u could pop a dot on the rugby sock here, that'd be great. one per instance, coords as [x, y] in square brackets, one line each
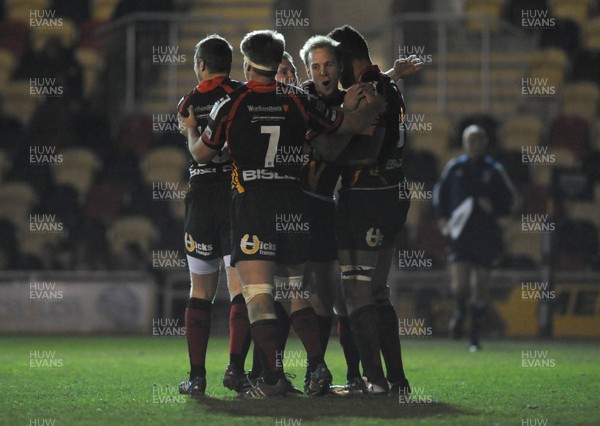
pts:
[476, 314]
[458, 318]
[239, 333]
[284, 331]
[284, 322]
[324, 330]
[349, 348]
[265, 334]
[256, 370]
[365, 328]
[197, 330]
[306, 326]
[389, 339]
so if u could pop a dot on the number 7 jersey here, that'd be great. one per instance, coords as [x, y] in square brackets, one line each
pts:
[265, 127]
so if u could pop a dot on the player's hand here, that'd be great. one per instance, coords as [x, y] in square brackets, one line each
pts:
[405, 67]
[375, 101]
[186, 123]
[355, 94]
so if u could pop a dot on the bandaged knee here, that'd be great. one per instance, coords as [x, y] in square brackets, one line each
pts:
[250, 291]
[356, 272]
[203, 267]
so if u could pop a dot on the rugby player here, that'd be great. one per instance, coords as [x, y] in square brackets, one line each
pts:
[370, 213]
[207, 227]
[258, 126]
[319, 181]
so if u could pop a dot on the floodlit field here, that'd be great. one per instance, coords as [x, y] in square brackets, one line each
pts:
[133, 381]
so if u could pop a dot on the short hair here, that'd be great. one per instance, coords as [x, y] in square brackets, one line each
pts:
[290, 59]
[473, 129]
[216, 52]
[265, 48]
[319, 42]
[351, 42]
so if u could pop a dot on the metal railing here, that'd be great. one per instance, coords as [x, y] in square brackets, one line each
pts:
[441, 26]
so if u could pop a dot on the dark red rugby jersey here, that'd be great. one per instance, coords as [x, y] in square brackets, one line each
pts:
[265, 126]
[318, 176]
[387, 170]
[203, 98]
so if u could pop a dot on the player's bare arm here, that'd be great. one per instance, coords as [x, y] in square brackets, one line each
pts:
[405, 67]
[188, 127]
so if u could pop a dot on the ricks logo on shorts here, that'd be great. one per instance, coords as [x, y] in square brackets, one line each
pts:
[254, 246]
[374, 237]
[193, 247]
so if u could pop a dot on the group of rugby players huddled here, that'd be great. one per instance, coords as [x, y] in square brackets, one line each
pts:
[267, 158]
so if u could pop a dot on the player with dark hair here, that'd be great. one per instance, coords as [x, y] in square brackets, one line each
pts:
[370, 213]
[472, 193]
[322, 62]
[259, 127]
[207, 227]
[287, 72]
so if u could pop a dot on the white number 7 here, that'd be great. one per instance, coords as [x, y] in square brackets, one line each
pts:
[273, 132]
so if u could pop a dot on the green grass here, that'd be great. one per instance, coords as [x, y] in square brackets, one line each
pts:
[110, 381]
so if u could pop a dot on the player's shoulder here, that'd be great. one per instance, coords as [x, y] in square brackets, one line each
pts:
[457, 162]
[233, 84]
[186, 100]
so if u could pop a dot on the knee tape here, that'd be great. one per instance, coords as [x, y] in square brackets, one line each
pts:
[261, 317]
[250, 291]
[203, 267]
[356, 272]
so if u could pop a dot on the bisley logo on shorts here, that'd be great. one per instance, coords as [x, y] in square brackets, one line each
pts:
[374, 237]
[253, 245]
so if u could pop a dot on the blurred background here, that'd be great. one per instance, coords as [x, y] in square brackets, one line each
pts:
[93, 171]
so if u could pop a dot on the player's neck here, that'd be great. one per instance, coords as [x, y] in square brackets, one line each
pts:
[359, 66]
[210, 76]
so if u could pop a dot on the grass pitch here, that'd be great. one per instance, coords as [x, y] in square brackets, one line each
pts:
[133, 381]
